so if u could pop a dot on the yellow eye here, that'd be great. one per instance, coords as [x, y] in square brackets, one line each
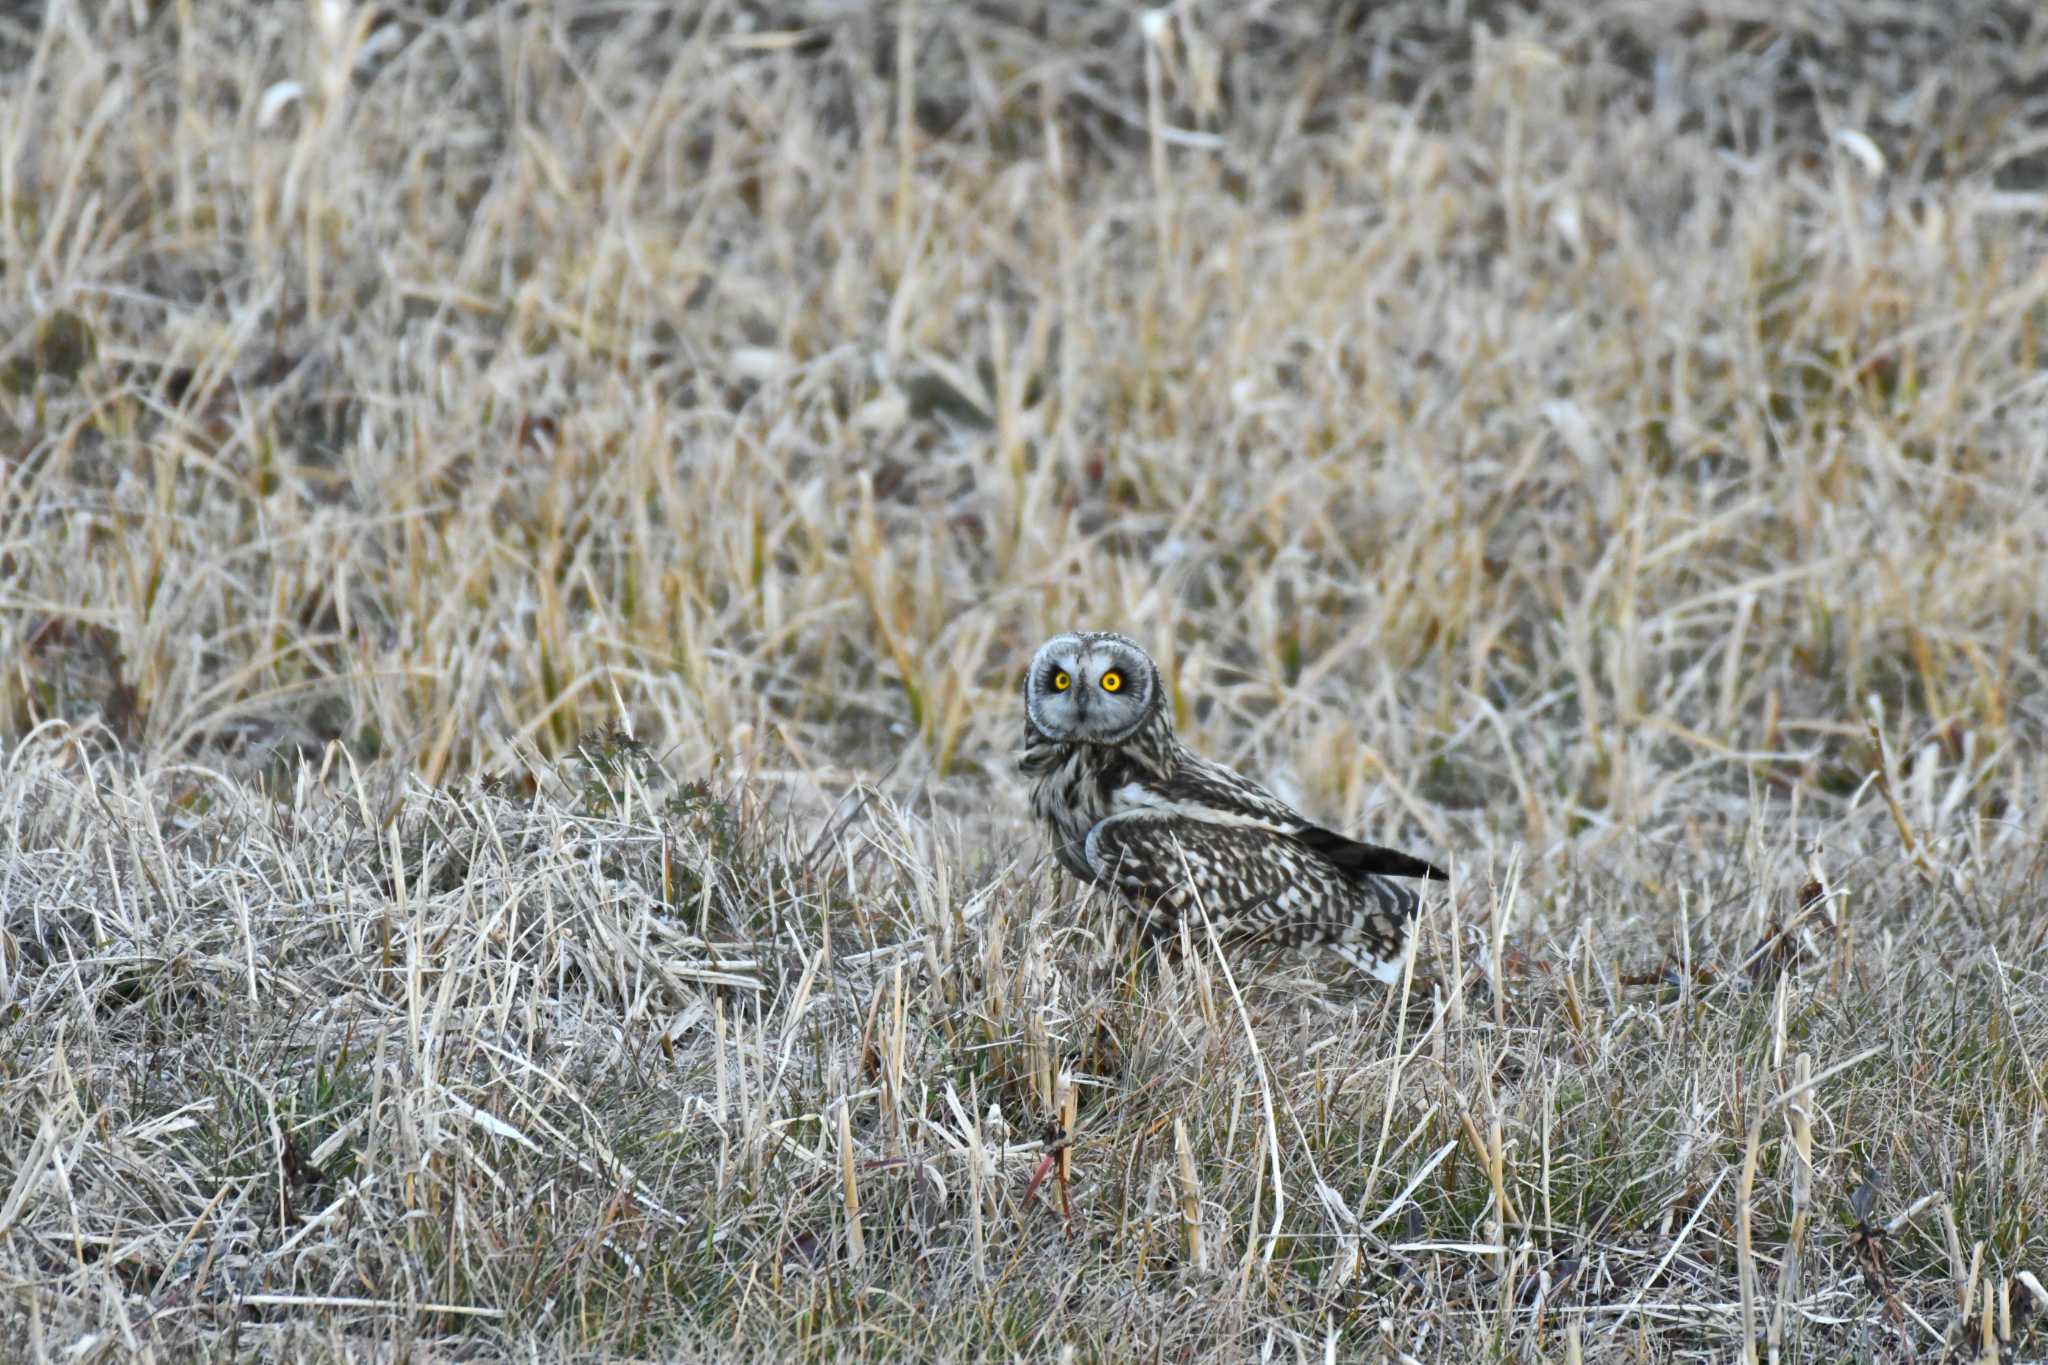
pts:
[1112, 681]
[1061, 682]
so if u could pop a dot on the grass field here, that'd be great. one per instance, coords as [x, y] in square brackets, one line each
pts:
[522, 525]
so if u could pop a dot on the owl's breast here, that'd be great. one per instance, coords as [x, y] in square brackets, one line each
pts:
[1071, 796]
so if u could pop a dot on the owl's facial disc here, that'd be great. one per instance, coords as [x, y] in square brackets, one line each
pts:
[1095, 688]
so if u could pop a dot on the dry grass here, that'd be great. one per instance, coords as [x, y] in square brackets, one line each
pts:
[1600, 446]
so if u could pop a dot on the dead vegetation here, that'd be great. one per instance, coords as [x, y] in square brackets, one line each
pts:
[518, 532]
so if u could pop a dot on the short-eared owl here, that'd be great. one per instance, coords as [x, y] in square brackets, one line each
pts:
[1133, 809]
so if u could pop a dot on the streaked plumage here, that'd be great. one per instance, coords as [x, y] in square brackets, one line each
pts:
[1134, 810]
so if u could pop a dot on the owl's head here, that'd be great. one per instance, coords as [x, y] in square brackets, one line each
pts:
[1090, 687]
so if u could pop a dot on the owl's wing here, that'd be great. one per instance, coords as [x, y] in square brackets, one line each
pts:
[1375, 860]
[1251, 880]
[1205, 784]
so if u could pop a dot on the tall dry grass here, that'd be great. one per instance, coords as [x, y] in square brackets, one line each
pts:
[520, 528]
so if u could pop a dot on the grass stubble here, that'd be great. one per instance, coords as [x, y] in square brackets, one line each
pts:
[519, 527]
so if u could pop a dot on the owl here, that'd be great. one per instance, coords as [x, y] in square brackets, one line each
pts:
[1133, 810]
